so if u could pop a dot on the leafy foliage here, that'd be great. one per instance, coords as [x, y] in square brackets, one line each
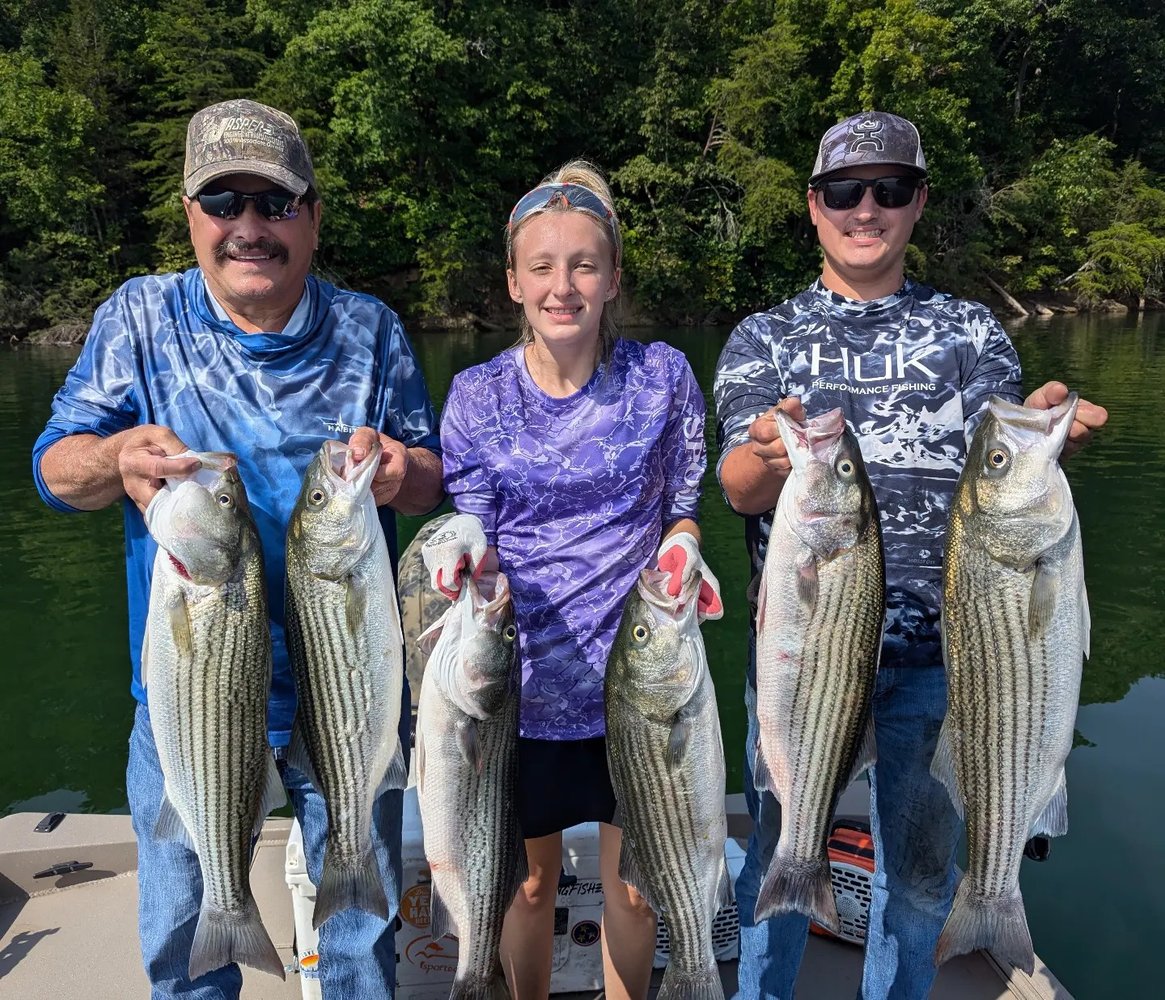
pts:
[428, 119]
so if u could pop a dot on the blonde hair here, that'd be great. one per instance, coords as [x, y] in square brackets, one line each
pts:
[584, 174]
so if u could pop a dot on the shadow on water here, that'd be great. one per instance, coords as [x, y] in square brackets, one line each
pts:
[65, 673]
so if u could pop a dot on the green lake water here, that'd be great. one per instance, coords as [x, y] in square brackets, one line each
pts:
[1095, 908]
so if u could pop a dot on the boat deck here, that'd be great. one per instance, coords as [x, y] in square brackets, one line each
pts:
[74, 936]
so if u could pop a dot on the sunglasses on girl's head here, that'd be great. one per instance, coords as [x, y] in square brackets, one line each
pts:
[889, 192]
[574, 195]
[274, 205]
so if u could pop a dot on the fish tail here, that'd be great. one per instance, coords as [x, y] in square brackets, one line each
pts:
[999, 924]
[344, 887]
[222, 938]
[681, 985]
[800, 887]
[477, 987]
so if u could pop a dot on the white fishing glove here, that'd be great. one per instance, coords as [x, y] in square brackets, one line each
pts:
[679, 556]
[455, 552]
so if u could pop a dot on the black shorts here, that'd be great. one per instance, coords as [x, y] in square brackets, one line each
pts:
[561, 783]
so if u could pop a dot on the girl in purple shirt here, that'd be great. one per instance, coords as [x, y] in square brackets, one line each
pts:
[581, 456]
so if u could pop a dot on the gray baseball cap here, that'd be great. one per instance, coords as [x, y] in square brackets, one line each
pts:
[245, 137]
[870, 137]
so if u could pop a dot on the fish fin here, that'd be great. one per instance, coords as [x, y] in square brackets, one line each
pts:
[428, 639]
[180, 628]
[221, 938]
[355, 603]
[419, 750]
[792, 886]
[299, 758]
[398, 771]
[942, 767]
[1085, 624]
[169, 825]
[441, 921]
[479, 987]
[274, 794]
[677, 741]
[224, 937]
[469, 742]
[344, 888]
[1053, 821]
[762, 599]
[681, 984]
[1042, 603]
[725, 891]
[867, 754]
[629, 872]
[521, 868]
[762, 778]
[999, 924]
[807, 581]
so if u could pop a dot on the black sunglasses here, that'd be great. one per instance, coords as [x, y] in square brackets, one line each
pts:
[275, 205]
[889, 192]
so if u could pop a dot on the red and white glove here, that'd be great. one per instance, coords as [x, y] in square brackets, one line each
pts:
[679, 556]
[455, 552]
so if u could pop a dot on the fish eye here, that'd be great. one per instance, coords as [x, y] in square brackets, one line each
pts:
[509, 633]
[639, 633]
[997, 458]
[316, 497]
[845, 468]
[225, 500]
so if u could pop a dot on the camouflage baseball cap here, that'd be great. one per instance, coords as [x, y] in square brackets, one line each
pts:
[245, 137]
[870, 137]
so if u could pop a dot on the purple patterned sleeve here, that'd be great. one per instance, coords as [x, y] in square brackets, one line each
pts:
[466, 481]
[684, 447]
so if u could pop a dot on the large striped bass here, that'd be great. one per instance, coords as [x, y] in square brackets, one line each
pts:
[666, 760]
[467, 773]
[1015, 632]
[819, 638]
[344, 637]
[206, 664]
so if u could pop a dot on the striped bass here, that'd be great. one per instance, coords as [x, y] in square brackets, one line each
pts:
[1015, 633]
[666, 760]
[467, 773]
[819, 638]
[206, 664]
[344, 637]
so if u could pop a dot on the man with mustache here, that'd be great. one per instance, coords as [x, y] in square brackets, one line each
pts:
[246, 353]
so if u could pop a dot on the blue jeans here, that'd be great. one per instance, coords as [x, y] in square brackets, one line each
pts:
[357, 949]
[916, 833]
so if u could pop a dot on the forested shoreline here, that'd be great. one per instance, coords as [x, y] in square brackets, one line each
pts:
[1043, 124]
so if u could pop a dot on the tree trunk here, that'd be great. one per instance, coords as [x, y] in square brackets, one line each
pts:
[1013, 303]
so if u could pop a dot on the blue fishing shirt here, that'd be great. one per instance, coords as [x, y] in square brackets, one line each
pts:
[161, 351]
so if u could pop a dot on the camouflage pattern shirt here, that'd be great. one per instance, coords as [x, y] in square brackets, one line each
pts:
[912, 373]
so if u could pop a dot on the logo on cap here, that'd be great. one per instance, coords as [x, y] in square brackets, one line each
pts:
[866, 135]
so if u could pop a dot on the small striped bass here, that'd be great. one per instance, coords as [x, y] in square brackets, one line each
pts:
[1015, 633]
[467, 774]
[347, 656]
[819, 638]
[666, 760]
[206, 664]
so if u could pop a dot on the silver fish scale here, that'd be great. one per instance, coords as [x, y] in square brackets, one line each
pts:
[671, 818]
[815, 677]
[209, 721]
[471, 825]
[348, 700]
[1012, 701]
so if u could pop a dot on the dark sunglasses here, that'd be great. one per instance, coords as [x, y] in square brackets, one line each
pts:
[275, 205]
[548, 195]
[889, 192]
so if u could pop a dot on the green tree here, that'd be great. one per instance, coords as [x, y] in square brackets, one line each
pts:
[193, 54]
